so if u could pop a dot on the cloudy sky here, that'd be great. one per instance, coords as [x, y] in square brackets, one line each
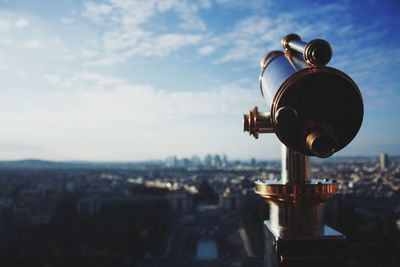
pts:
[138, 80]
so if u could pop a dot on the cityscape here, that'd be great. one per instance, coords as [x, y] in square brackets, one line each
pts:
[181, 211]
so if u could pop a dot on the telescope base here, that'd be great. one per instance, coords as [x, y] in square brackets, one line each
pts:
[324, 250]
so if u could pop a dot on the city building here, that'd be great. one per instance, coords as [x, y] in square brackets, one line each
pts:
[383, 161]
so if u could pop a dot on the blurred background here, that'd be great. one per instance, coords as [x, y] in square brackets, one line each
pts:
[121, 141]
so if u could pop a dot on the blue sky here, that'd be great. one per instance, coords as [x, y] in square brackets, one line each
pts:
[139, 80]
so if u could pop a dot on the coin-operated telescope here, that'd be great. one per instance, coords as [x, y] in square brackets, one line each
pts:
[314, 110]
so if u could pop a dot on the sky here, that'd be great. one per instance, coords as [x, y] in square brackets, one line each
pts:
[129, 80]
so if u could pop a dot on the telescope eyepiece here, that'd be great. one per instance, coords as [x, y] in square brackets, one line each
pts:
[318, 52]
[322, 145]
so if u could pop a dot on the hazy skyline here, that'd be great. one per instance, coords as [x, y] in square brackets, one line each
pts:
[138, 80]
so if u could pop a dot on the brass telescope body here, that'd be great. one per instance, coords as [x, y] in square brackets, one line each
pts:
[314, 110]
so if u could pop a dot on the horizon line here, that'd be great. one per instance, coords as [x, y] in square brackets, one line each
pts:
[179, 158]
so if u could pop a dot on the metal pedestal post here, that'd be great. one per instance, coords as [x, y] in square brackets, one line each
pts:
[323, 250]
[295, 234]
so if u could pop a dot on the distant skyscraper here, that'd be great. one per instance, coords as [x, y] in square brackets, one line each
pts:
[383, 161]
[208, 161]
[196, 160]
[225, 159]
[171, 161]
[217, 161]
[253, 162]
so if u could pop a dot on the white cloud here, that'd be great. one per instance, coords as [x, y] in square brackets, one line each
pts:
[67, 20]
[32, 44]
[165, 44]
[243, 4]
[88, 53]
[247, 40]
[22, 23]
[254, 35]
[130, 99]
[96, 11]
[5, 25]
[7, 41]
[206, 50]
[205, 3]
[52, 78]
[82, 81]
[129, 28]
[121, 47]
[130, 32]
